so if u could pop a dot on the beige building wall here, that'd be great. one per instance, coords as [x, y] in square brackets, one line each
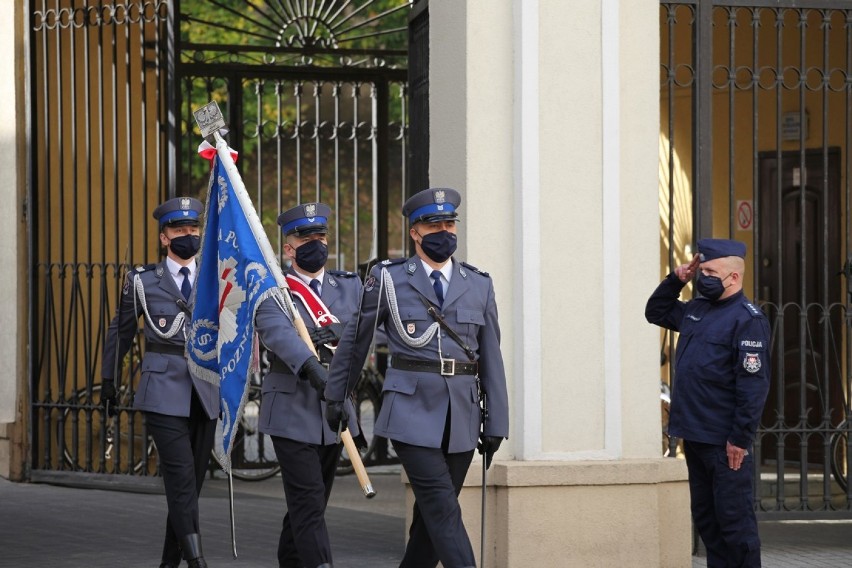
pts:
[547, 118]
[13, 310]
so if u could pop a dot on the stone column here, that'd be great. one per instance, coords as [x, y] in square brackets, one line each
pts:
[545, 114]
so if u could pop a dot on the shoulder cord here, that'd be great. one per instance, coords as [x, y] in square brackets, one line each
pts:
[277, 295]
[177, 324]
[416, 342]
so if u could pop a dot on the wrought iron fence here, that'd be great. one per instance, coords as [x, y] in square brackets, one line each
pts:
[316, 96]
[756, 124]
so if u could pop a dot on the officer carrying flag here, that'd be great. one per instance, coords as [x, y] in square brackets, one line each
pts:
[238, 272]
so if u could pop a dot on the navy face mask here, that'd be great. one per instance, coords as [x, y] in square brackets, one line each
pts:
[439, 246]
[185, 246]
[711, 287]
[312, 255]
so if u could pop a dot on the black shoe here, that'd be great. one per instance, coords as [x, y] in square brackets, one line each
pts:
[191, 547]
[169, 565]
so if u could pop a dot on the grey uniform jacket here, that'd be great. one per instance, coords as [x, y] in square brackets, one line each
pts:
[414, 406]
[290, 407]
[166, 384]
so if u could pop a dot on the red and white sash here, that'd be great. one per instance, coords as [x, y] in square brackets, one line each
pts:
[315, 306]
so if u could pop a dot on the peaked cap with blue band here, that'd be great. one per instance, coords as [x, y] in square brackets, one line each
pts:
[305, 219]
[710, 249]
[434, 204]
[179, 211]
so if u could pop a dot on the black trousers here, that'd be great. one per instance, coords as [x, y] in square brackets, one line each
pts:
[723, 506]
[437, 531]
[183, 445]
[307, 471]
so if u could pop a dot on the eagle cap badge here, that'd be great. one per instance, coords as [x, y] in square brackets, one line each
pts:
[185, 203]
[311, 210]
[440, 196]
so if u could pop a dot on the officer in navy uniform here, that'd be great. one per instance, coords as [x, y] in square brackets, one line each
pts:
[721, 383]
[430, 407]
[291, 410]
[180, 411]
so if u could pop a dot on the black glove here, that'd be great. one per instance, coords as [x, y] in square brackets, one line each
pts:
[313, 372]
[335, 415]
[108, 400]
[488, 445]
[326, 334]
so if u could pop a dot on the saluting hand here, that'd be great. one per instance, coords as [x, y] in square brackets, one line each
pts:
[686, 272]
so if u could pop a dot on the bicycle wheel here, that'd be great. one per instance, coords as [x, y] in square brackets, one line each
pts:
[79, 454]
[838, 456]
[367, 404]
[252, 454]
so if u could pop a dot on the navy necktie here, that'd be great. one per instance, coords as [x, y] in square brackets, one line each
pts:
[439, 288]
[315, 286]
[185, 286]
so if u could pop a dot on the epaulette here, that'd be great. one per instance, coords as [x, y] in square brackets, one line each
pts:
[342, 273]
[475, 269]
[389, 261]
[752, 309]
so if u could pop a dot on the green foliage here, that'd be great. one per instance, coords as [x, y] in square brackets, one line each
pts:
[298, 140]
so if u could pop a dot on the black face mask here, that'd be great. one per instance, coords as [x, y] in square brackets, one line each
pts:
[439, 246]
[185, 246]
[711, 287]
[312, 255]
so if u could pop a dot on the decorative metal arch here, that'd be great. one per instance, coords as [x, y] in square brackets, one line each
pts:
[372, 33]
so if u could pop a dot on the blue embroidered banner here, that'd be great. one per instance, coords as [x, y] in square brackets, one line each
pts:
[237, 272]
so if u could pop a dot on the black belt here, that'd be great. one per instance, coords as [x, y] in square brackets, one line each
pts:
[166, 348]
[446, 367]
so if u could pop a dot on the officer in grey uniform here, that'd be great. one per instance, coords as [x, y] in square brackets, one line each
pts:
[291, 410]
[180, 411]
[721, 382]
[440, 317]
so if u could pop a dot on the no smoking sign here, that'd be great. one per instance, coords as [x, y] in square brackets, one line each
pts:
[745, 214]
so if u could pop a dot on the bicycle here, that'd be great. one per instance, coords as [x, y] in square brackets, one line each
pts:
[837, 457]
[126, 424]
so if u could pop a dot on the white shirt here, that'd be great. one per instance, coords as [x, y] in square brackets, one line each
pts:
[174, 269]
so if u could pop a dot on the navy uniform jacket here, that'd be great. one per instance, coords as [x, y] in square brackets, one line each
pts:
[166, 384]
[290, 407]
[721, 365]
[415, 403]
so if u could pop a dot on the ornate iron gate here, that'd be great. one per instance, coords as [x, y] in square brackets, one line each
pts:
[316, 97]
[756, 127]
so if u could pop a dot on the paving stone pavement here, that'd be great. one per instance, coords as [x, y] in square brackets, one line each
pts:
[53, 526]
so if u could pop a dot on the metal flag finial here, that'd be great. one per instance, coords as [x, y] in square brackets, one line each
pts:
[209, 119]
